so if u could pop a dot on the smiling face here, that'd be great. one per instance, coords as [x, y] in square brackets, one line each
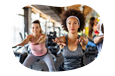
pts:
[35, 28]
[72, 25]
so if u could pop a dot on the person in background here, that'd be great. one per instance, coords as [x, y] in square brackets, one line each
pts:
[72, 45]
[92, 28]
[98, 40]
[36, 41]
[91, 46]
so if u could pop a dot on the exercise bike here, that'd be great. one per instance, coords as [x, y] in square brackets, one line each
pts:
[25, 50]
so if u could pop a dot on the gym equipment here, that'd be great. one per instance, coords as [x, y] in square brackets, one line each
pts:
[53, 47]
[25, 51]
[90, 52]
[22, 56]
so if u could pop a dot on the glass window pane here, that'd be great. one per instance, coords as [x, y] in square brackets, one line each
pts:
[18, 26]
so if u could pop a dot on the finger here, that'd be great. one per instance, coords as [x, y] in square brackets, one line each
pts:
[63, 44]
[53, 40]
[102, 36]
[82, 40]
[57, 40]
[58, 43]
[77, 41]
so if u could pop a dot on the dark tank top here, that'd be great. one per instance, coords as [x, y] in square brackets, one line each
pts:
[72, 59]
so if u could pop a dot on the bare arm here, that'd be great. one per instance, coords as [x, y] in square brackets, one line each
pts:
[83, 41]
[98, 39]
[60, 41]
[25, 41]
[42, 39]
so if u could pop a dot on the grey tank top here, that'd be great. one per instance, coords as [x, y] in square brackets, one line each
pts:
[72, 59]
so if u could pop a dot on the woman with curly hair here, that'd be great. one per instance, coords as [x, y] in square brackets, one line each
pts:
[73, 21]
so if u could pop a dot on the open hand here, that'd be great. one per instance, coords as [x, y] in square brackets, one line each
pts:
[82, 40]
[58, 41]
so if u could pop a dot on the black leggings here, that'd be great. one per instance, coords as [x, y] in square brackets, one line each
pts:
[61, 67]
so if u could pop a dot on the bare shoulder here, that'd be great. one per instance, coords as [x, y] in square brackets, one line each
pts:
[44, 35]
[29, 37]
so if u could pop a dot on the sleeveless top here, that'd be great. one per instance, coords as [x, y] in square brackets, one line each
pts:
[72, 59]
[38, 50]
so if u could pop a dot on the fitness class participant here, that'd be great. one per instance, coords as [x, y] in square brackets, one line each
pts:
[36, 41]
[73, 21]
[98, 40]
[92, 28]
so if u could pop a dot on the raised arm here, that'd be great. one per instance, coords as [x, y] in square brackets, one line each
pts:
[25, 41]
[42, 39]
[98, 39]
[60, 41]
[83, 41]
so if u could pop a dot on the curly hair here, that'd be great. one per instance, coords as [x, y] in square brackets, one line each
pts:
[72, 12]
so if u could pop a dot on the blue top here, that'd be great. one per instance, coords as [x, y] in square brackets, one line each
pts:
[72, 59]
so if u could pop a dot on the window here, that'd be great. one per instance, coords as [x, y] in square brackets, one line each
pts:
[42, 21]
[50, 27]
[18, 26]
[43, 24]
